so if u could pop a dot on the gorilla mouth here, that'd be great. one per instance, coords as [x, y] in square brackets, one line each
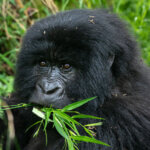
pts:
[44, 100]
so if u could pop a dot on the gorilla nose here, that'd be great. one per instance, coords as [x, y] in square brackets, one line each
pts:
[48, 87]
[47, 92]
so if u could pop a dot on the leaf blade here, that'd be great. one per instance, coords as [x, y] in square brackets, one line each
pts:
[77, 104]
[86, 116]
[88, 139]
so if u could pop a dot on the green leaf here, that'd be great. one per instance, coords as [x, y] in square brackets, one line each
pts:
[71, 125]
[47, 116]
[46, 142]
[15, 106]
[88, 131]
[70, 144]
[59, 127]
[75, 112]
[37, 131]
[77, 104]
[40, 114]
[32, 125]
[69, 141]
[86, 116]
[67, 117]
[75, 129]
[95, 124]
[88, 139]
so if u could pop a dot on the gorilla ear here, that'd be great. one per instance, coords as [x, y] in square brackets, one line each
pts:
[111, 60]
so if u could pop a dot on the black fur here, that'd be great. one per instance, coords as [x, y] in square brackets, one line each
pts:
[108, 65]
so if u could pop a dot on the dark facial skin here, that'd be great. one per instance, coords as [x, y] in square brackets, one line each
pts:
[50, 87]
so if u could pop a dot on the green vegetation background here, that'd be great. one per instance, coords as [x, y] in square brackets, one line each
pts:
[17, 15]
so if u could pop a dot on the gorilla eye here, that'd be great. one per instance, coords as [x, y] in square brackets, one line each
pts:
[66, 66]
[43, 64]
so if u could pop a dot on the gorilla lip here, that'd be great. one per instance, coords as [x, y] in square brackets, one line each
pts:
[55, 103]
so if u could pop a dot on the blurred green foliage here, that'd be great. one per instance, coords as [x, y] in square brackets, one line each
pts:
[16, 17]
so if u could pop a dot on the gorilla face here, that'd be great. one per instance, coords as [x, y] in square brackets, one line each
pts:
[47, 68]
[50, 87]
[67, 56]
[48, 76]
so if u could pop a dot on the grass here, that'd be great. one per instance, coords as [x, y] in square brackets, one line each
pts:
[15, 18]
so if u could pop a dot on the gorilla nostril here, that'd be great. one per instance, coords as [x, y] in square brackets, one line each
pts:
[51, 91]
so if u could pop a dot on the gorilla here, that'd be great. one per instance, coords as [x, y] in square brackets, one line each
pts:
[75, 55]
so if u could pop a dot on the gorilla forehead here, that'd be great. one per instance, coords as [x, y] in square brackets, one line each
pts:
[62, 36]
[76, 28]
[69, 26]
[79, 31]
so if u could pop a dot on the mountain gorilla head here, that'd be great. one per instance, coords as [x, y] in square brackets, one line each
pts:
[73, 55]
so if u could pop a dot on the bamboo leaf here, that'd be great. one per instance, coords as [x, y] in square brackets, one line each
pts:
[38, 112]
[88, 131]
[67, 117]
[32, 125]
[77, 104]
[94, 124]
[59, 127]
[37, 131]
[86, 116]
[47, 116]
[88, 139]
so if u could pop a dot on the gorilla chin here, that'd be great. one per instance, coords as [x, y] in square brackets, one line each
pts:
[75, 55]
